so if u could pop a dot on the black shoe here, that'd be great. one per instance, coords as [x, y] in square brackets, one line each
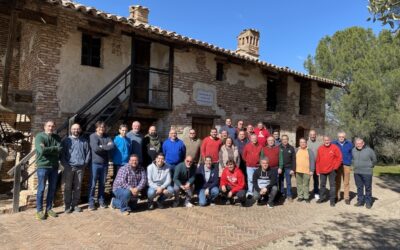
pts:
[68, 210]
[243, 204]
[332, 204]
[260, 202]
[232, 201]
[320, 201]
[308, 201]
[347, 202]
[300, 199]
[359, 204]
[77, 209]
[368, 206]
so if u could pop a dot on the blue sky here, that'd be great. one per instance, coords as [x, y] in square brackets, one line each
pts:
[289, 29]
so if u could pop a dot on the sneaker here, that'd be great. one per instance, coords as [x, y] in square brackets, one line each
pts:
[103, 205]
[40, 215]
[112, 204]
[270, 205]
[300, 199]
[359, 204]
[150, 205]
[316, 197]
[368, 206]
[160, 205]
[188, 204]
[333, 204]
[347, 202]
[212, 204]
[77, 209]
[126, 212]
[92, 208]
[52, 213]
[307, 200]
[249, 196]
[176, 203]
[68, 210]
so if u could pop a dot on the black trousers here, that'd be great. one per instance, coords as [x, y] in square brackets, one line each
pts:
[332, 186]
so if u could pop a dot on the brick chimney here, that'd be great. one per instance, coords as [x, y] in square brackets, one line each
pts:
[139, 13]
[248, 41]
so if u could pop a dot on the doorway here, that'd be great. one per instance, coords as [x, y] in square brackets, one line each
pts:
[202, 126]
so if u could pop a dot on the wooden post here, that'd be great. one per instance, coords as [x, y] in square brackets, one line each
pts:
[171, 75]
[16, 188]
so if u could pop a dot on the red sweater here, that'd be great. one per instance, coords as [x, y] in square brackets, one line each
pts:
[210, 147]
[262, 135]
[272, 154]
[328, 159]
[251, 154]
[233, 179]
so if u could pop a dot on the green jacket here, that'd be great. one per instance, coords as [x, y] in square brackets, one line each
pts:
[182, 175]
[47, 150]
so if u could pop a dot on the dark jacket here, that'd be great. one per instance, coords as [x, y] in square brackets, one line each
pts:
[75, 152]
[267, 178]
[346, 151]
[201, 182]
[287, 157]
[101, 149]
[363, 160]
[151, 146]
[183, 175]
[47, 148]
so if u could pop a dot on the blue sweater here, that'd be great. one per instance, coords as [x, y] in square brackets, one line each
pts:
[122, 150]
[346, 151]
[75, 152]
[174, 151]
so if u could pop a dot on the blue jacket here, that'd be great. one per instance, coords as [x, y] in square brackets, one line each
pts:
[75, 152]
[231, 131]
[174, 151]
[240, 145]
[122, 150]
[200, 180]
[136, 141]
[346, 151]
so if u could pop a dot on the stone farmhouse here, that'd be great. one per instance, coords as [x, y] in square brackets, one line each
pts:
[68, 62]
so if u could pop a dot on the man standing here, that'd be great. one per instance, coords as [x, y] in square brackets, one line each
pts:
[262, 134]
[344, 170]
[277, 138]
[251, 155]
[240, 142]
[250, 131]
[264, 180]
[193, 144]
[184, 178]
[75, 156]
[240, 127]
[136, 140]
[287, 166]
[159, 178]
[207, 182]
[210, 147]
[313, 144]
[130, 180]
[173, 149]
[228, 128]
[232, 184]
[329, 159]
[151, 146]
[271, 151]
[364, 160]
[122, 149]
[102, 146]
[305, 167]
[48, 147]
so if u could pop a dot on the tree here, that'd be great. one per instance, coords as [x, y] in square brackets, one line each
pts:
[386, 11]
[369, 107]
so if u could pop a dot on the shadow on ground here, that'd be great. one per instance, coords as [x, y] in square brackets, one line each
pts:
[356, 231]
[389, 181]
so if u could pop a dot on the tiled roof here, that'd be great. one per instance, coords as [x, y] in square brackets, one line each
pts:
[174, 36]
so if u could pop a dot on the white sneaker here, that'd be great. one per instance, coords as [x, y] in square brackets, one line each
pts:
[212, 204]
[316, 196]
[188, 204]
[112, 204]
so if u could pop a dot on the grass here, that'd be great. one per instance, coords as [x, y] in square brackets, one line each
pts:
[390, 170]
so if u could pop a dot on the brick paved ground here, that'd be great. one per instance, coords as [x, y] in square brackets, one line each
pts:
[290, 226]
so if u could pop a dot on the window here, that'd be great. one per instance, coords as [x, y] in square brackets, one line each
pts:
[305, 98]
[220, 72]
[272, 100]
[91, 47]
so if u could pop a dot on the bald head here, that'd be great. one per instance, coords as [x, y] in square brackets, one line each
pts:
[75, 130]
[327, 140]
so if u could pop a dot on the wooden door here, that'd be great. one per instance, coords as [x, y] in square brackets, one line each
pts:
[141, 77]
[202, 126]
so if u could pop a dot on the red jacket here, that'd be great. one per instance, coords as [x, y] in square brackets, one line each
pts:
[328, 159]
[210, 147]
[262, 135]
[235, 180]
[272, 154]
[251, 154]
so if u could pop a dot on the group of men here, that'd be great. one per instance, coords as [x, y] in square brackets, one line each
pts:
[235, 163]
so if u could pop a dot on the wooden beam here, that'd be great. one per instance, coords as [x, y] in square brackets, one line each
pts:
[11, 40]
[16, 188]
[171, 76]
[92, 32]
[37, 16]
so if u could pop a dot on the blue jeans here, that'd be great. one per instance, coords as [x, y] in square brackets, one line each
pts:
[98, 173]
[151, 193]
[285, 175]
[213, 193]
[250, 172]
[124, 200]
[44, 174]
[316, 183]
[364, 181]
